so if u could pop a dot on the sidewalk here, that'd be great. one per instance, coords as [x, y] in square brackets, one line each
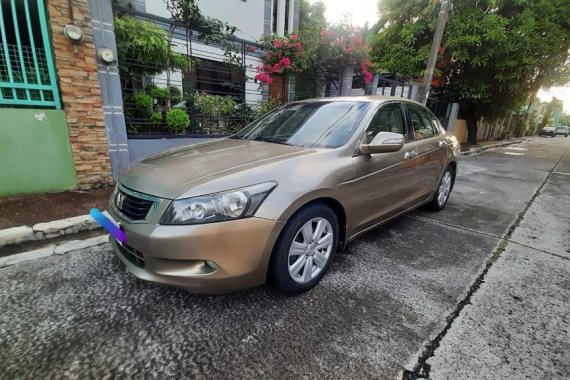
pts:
[467, 149]
[516, 323]
[36, 226]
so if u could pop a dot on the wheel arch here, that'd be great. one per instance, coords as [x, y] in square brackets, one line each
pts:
[335, 205]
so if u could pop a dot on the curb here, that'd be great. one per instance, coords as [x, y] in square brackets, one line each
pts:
[473, 151]
[46, 231]
[52, 249]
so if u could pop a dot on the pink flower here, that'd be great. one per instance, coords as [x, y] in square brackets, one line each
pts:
[276, 43]
[263, 78]
[285, 62]
[294, 37]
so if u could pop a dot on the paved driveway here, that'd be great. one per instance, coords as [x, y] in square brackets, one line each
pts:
[374, 315]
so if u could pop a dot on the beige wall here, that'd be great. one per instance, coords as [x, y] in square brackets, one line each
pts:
[460, 131]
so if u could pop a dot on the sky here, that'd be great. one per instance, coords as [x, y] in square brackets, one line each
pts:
[562, 93]
[361, 11]
[358, 11]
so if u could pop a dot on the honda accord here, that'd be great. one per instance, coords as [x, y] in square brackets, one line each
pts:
[277, 200]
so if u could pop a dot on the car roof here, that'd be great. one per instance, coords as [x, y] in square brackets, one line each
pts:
[368, 99]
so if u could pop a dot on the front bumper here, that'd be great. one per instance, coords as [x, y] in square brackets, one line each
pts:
[176, 255]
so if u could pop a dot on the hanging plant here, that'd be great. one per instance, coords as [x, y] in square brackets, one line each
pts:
[284, 55]
[352, 50]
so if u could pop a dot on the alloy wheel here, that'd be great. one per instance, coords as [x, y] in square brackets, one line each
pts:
[444, 188]
[310, 250]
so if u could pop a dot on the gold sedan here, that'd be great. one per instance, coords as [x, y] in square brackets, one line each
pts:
[278, 199]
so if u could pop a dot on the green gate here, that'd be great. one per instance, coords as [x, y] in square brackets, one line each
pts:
[27, 73]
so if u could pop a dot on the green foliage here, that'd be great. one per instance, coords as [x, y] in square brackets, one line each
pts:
[177, 120]
[160, 94]
[265, 107]
[143, 101]
[156, 118]
[328, 49]
[175, 95]
[495, 53]
[552, 108]
[143, 48]
[215, 105]
[188, 13]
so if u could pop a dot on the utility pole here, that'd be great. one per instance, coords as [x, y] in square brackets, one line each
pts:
[446, 6]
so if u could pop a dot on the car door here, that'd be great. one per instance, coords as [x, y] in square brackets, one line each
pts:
[384, 183]
[430, 147]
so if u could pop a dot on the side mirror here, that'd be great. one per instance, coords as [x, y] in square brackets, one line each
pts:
[383, 142]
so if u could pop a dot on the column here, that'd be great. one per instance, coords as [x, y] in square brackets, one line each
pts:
[280, 17]
[108, 74]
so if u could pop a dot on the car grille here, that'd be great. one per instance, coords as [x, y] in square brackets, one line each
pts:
[134, 256]
[133, 207]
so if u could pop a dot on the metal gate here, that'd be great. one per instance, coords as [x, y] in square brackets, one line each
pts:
[27, 72]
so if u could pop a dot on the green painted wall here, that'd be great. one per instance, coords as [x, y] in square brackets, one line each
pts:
[35, 153]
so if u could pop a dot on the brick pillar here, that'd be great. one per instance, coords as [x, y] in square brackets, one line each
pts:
[76, 66]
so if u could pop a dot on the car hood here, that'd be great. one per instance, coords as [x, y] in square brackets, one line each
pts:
[170, 173]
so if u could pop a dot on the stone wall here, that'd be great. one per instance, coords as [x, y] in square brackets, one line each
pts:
[81, 95]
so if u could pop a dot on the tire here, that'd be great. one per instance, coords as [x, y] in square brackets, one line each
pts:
[445, 186]
[288, 270]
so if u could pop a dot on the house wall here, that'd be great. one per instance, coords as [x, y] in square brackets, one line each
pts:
[253, 93]
[80, 92]
[35, 154]
[247, 16]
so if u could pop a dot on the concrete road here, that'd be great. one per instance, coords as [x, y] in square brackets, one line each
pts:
[480, 286]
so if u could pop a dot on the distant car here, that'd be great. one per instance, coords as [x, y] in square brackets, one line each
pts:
[564, 131]
[548, 131]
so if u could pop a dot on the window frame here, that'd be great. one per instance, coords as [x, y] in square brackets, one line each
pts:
[432, 117]
[404, 119]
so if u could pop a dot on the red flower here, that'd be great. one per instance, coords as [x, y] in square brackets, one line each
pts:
[294, 37]
[285, 62]
[263, 78]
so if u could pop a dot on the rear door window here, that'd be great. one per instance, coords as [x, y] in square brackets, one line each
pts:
[423, 126]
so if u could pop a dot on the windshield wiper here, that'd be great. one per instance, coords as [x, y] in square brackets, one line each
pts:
[271, 140]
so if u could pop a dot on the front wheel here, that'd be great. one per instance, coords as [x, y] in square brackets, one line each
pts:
[304, 250]
[441, 196]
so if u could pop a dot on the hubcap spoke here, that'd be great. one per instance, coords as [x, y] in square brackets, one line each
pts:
[307, 232]
[297, 249]
[308, 269]
[320, 260]
[325, 241]
[319, 230]
[297, 266]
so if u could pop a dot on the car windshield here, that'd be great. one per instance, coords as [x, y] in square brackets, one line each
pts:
[313, 124]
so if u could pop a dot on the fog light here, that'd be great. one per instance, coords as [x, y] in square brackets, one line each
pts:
[211, 264]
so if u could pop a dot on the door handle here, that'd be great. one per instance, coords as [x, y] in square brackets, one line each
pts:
[410, 154]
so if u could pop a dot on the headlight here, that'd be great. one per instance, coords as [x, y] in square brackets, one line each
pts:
[228, 205]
